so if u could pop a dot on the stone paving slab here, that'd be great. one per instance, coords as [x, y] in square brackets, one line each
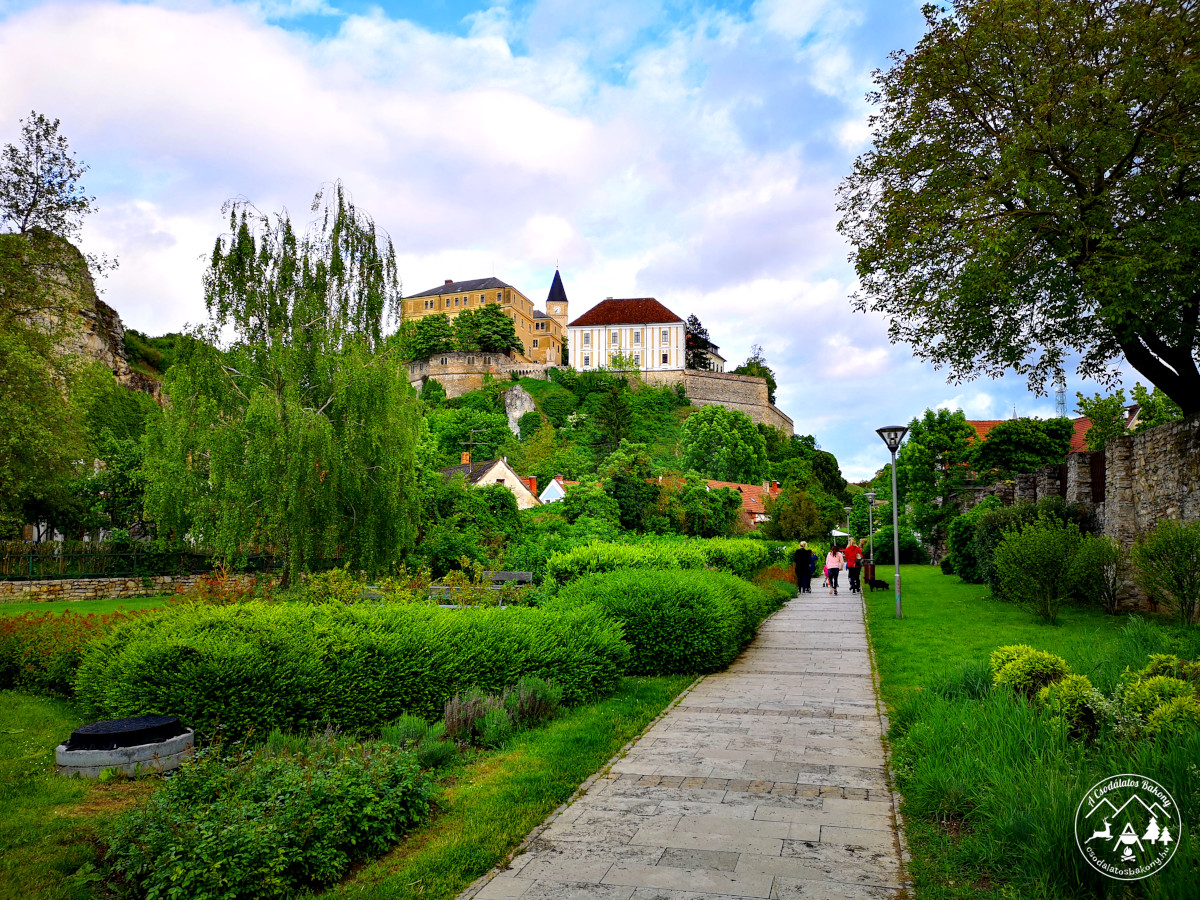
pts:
[767, 780]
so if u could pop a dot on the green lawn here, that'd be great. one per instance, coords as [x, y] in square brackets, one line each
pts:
[83, 607]
[46, 820]
[989, 787]
[948, 622]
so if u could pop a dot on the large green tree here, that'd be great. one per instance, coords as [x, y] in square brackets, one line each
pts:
[299, 436]
[1022, 445]
[725, 445]
[1032, 191]
[933, 468]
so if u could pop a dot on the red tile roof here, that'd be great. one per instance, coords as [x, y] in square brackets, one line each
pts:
[752, 495]
[1081, 424]
[635, 311]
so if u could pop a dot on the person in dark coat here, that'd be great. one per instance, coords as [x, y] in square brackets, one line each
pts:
[804, 559]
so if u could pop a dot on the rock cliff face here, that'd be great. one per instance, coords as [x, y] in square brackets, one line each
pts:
[517, 402]
[84, 325]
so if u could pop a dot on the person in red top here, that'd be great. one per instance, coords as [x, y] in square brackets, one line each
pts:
[854, 557]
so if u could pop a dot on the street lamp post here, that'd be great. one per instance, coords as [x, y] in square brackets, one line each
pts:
[849, 510]
[892, 436]
[871, 527]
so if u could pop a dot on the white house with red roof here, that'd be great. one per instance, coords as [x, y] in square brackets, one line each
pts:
[639, 330]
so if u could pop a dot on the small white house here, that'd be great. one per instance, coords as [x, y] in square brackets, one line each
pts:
[496, 471]
[555, 490]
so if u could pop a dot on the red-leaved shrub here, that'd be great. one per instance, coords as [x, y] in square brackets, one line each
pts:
[40, 651]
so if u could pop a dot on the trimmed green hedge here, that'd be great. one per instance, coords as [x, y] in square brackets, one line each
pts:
[257, 667]
[740, 556]
[676, 622]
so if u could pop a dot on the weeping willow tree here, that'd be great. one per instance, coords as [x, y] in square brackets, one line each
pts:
[291, 428]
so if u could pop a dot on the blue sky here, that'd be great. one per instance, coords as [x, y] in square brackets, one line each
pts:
[684, 151]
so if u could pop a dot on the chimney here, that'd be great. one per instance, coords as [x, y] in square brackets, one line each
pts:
[466, 458]
[532, 479]
[449, 281]
[766, 487]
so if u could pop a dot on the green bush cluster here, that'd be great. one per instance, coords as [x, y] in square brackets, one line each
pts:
[741, 557]
[675, 621]
[259, 667]
[488, 720]
[277, 822]
[1028, 672]
[975, 535]
[430, 743]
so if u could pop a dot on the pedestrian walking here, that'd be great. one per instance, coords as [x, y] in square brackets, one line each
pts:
[854, 557]
[833, 564]
[804, 560]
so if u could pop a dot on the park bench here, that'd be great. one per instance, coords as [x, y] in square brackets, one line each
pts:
[498, 581]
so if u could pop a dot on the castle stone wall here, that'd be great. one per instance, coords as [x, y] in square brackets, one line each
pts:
[462, 373]
[745, 393]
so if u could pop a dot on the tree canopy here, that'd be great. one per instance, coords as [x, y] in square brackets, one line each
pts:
[299, 437]
[695, 342]
[756, 365]
[933, 467]
[1018, 446]
[39, 181]
[725, 445]
[1032, 191]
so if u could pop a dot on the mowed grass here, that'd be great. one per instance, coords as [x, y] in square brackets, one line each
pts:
[47, 821]
[495, 802]
[948, 622]
[83, 607]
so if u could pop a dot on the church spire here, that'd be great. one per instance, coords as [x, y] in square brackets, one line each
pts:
[556, 301]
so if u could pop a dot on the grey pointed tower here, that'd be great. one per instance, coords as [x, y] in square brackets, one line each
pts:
[556, 302]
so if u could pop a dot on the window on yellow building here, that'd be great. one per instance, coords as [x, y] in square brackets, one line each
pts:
[666, 357]
[587, 339]
[666, 336]
[637, 338]
[614, 337]
[535, 343]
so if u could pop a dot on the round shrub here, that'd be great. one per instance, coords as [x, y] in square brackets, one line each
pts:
[1029, 673]
[1168, 664]
[1177, 717]
[1070, 700]
[1144, 696]
[676, 622]
[1002, 656]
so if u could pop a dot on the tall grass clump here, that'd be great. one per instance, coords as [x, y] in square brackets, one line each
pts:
[992, 777]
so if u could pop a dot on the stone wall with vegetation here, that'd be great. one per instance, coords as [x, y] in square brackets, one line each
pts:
[1137, 481]
[47, 589]
[462, 373]
[744, 393]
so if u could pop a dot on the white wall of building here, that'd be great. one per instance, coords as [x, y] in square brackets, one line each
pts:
[655, 347]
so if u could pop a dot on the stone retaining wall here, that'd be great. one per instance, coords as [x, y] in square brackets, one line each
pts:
[745, 393]
[462, 373]
[1148, 477]
[68, 589]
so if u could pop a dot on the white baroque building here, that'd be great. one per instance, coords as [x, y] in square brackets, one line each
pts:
[640, 330]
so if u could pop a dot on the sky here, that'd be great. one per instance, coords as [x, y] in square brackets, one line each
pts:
[684, 151]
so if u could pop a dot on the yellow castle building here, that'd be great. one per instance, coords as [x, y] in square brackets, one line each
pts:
[540, 333]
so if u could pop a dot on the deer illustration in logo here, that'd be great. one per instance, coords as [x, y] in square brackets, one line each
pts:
[1106, 833]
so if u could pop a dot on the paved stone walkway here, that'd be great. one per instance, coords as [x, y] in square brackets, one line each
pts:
[767, 780]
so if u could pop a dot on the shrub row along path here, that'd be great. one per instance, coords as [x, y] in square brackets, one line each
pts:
[766, 780]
